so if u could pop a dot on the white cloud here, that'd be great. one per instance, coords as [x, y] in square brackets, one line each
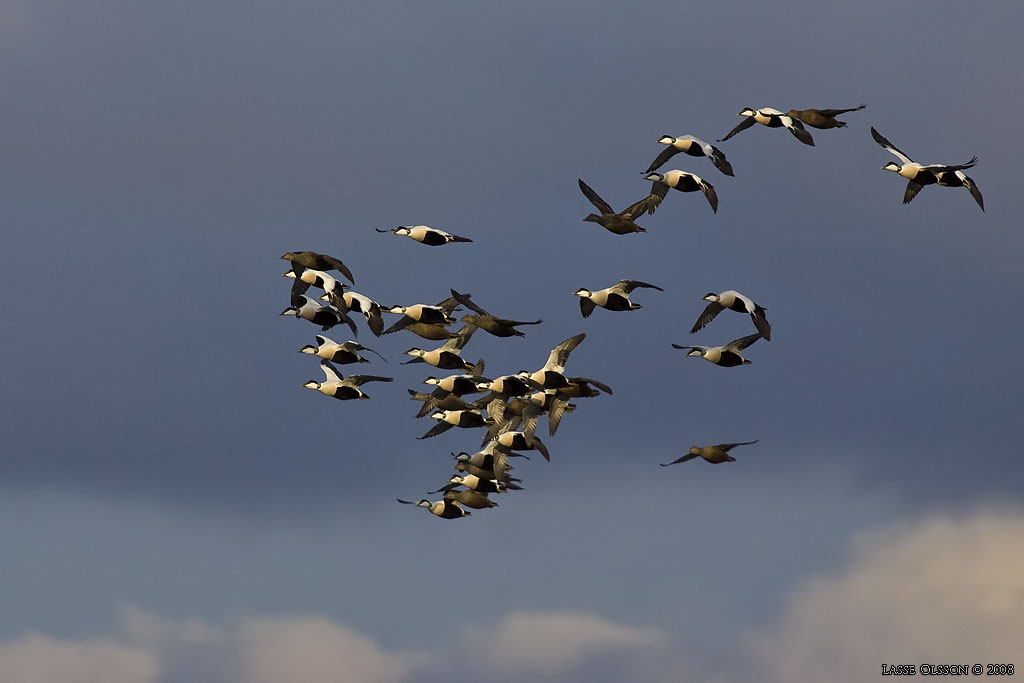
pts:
[939, 591]
[551, 642]
[311, 650]
[35, 658]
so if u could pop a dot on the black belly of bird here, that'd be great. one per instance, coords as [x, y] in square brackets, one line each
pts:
[738, 306]
[347, 393]
[325, 317]
[729, 360]
[471, 420]
[949, 179]
[345, 358]
[687, 184]
[451, 511]
[450, 361]
[617, 302]
[433, 239]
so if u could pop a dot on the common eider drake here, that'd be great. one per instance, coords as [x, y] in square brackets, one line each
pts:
[325, 316]
[727, 356]
[550, 376]
[822, 118]
[343, 388]
[734, 301]
[678, 180]
[772, 118]
[919, 175]
[716, 454]
[342, 354]
[426, 235]
[445, 509]
[614, 298]
[694, 147]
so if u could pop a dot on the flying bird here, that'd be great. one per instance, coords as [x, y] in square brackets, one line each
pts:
[678, 180]
[694, 147]
[426, 235]
[342, 388]
[499, 327]
[716, 454]
[445, 509]
[772, 118]
[727, 356]
[550, 376]
[822, 118]
[342, 354]
[325, 316]
[734, 301]
[614, 298]
[311, 259]
[919, 175]
[618, 223]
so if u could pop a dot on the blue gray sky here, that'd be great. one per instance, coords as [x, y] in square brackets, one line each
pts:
[175, 507]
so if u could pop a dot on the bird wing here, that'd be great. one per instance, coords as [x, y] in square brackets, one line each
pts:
[359, 380]
[742, 342]
[891, 148]
[326, 262]
[797, 129]
[586, 380]
[975, 192]
[555, 413]
[660, 160]
[539, 445]
[465, 301]
[761, 323]
[559, 355]
[710, 311]
[717, 158]
[299, 289]
[375, 321]
[728, 446]
[689, 348]
[586, 306]
[657, 195]
[458, 342]
[688, 456]
[943, 168]
[450, 304]
[401, 324]
[639, 208]
[330, 372]
[913, 187]
[837, 112]
[440, 428]
[740, 127]
[627, 286]
[595, 199]
[709, 192]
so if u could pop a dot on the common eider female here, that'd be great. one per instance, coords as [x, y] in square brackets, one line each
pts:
[716, 454]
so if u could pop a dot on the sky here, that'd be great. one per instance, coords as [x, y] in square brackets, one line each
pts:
[175, 507]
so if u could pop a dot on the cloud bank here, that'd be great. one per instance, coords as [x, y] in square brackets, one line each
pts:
[941, 591]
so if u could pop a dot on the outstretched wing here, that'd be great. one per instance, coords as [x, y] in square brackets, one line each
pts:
[740, 127]
[628, 286]
[468, 303]
[891, 148]
[837, 112]
[439, 428]
[660, 160]
[330, 372]
[710, 311]
[975, 192]
[586, 306]
[913, 188]
[797, 129]
[688, 456]
[595, 199]
[657, 195]
[728, 446]
[559, 355]
[709, 192]
[743, 342]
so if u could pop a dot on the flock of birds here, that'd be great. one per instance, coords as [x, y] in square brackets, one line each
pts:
[508, 406]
